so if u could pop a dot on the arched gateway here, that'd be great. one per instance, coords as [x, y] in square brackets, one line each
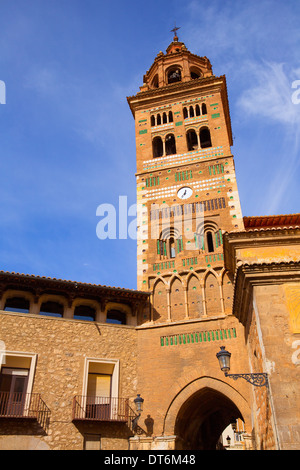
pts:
[198, 415]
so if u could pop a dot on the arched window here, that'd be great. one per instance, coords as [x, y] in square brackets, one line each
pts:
[17, 304]
[172, 248]
[174, 75]
[170, 116]
[205, 139]
[170, 145]
[116, 317]
[192, 111]
[208, 237]
[152, 121]
[157, 145]
[155, 82]
[185, 113]
[204, 109]
[197, 110]
[195, 73]
[52, 309]
[170, 243]
[192, 141]
[158, 120]
[210, 242]
[84, 312]
[165, 118]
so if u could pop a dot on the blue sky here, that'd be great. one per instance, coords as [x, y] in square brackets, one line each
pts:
[67, 134]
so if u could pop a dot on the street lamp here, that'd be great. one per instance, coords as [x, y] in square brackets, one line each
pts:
[259, 380]
[138, 401]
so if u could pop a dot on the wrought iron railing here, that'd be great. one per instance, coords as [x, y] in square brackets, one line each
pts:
[101, 409]
[23, 405]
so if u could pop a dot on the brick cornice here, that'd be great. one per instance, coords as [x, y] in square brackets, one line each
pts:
[174, 88]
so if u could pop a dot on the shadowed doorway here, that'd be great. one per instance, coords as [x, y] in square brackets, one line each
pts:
[202, 419]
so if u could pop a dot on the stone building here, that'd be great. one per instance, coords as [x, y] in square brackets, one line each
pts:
[75, 355]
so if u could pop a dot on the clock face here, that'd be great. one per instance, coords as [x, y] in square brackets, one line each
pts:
[184, 193]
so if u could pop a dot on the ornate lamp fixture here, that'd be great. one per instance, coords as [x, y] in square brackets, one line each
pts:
[138, 401]
[259, 379]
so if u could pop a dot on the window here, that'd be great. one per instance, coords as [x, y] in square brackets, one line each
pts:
[16, 379]
[192, 140]
[157, 145]
[169, 243]
[209, 237]
[99, 390]
[17, 304]
[204, 109]
[116, 317]
[84, 312]
[155, 82]
[52, 309]
[209, 242]
[172, 248]
[13, 387]
[195, 73]
[152, 119]
[174, 75]
[205, 139]
[170, 145]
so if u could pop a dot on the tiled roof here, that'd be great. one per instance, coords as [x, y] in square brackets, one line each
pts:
[269, 221]
[70, 283]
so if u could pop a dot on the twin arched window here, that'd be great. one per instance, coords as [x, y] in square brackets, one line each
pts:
[198, 140]
[164, 147]
[167, 146]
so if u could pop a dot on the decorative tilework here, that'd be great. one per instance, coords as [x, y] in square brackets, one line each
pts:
[198, 337]
[183, 158]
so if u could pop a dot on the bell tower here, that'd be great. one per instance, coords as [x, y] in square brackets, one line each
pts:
[186, 186]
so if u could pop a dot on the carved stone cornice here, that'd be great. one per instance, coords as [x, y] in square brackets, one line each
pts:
[248, 276]
[257, 238]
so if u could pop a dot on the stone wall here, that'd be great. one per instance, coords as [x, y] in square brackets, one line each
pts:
[61, 347]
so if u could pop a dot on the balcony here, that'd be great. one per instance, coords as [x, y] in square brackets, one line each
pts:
[28, 406]
[88, 408]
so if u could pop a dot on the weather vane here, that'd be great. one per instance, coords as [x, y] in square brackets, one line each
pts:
[174, 30]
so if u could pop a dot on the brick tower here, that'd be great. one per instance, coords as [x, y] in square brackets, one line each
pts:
[186, 186]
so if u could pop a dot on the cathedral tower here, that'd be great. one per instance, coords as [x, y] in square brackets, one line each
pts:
[186, 186]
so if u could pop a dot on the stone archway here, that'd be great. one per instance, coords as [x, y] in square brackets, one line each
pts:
[201, 411]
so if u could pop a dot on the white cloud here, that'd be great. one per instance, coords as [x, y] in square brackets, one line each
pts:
[270, 94]
[270, 97]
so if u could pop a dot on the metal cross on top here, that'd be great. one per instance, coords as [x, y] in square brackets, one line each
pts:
[174, 30]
